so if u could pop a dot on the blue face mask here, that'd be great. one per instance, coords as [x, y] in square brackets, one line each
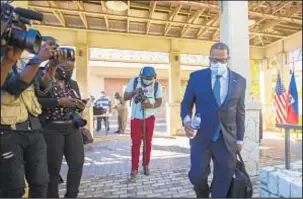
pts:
[218, 68]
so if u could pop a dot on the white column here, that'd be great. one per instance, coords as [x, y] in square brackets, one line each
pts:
[174, 123]
[234, 32]
[83, 74]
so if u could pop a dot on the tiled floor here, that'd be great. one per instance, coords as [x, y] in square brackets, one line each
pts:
[107, 166]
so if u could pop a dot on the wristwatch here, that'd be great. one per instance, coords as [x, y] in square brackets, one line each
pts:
[34, 60]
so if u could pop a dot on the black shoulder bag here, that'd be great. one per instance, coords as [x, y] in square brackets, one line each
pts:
[241, 186]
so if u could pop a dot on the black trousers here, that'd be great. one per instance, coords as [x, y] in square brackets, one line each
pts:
[23, 155]
[106, 123]
[64, 139]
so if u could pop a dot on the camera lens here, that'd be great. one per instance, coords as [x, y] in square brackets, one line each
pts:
[28, 40]
[33, 41]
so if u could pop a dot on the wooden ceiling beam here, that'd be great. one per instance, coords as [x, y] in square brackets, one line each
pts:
[250, 13]
[261, 40]
[104, 10]
[157, 21]
[60, 17]
[265, 27]
[202, 30]
[58, 14]
[151, 12]
[171, 18]
[258, 5]
[281, 7]
[106, 23]
[192, 20]
[103, 6]
[127, 20]
[80, 6]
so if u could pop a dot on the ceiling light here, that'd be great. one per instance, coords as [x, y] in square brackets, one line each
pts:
[117, 5]
[251, 22]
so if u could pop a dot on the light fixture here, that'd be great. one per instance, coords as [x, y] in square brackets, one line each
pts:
[117, 5]
[251, 22]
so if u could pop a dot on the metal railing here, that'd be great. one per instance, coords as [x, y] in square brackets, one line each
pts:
[287, 128]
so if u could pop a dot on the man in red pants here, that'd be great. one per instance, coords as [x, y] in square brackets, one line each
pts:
[150, 91]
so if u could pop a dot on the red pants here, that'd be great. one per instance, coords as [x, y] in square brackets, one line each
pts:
[137, 137]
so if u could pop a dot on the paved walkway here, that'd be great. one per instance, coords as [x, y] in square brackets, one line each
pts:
[107, 166]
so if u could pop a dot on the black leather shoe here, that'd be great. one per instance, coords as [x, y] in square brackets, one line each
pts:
[202, 190]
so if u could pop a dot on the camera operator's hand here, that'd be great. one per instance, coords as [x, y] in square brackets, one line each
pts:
[71, 103]
[137, 91]
[146, 104]
[80, 104]
[47, 51]
[12, 54]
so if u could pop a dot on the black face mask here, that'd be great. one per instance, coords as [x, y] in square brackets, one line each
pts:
[63, 74]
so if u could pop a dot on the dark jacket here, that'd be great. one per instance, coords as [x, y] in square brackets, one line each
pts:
[231, 113]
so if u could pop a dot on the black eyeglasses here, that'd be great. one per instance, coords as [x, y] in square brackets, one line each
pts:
[215, 60]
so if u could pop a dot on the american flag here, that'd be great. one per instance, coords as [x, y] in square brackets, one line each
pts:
[280, 101]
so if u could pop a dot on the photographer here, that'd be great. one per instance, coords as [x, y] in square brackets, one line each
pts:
[146, 95]
[22, 147]
[61, 123]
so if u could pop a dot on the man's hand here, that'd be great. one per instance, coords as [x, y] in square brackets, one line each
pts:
[137, 91]
[239, 147]
[47, 51]
[12, 54]
[146, 104]
[189, 131]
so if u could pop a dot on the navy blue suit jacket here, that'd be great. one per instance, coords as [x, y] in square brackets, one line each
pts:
[231, 113]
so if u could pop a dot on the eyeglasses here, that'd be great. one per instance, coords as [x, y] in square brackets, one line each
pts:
[215, 60]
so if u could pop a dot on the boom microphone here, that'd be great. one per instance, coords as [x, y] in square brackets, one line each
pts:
[29, 14]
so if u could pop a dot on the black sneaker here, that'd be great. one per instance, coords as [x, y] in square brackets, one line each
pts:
[117, 132]
[146, 171]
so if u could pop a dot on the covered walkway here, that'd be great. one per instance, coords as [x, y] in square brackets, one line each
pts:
[262, 36]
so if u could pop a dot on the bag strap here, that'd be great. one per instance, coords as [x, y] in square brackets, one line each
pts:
[156, 85]
[240, 157]
[245, 172]
[135, 83]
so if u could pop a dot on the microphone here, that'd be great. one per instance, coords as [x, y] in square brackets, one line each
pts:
[29, 14]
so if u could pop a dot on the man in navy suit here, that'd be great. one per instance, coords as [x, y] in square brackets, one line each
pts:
[218, 94]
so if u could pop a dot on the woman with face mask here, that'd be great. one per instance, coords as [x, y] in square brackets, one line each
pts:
[60, 104]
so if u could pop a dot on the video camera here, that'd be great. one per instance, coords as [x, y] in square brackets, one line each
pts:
[13, 28]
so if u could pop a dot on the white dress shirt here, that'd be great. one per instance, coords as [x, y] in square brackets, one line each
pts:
[223, 85]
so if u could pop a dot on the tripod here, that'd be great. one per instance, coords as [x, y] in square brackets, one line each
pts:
[144, 135]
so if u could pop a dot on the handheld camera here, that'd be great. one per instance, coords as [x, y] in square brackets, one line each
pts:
[13, 28]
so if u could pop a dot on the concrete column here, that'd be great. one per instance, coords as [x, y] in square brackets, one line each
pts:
[82, 68]
[234, 32]
[173, 112]
[83, 73]
[267, 96]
